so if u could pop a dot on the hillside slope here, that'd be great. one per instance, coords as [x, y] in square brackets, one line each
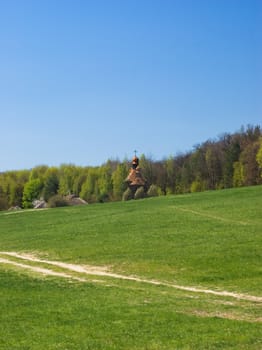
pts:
[178, 272]
[209, 239]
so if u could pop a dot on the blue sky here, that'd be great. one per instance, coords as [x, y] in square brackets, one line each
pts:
[83, 81]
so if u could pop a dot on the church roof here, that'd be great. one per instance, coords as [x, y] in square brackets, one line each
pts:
[135, 177]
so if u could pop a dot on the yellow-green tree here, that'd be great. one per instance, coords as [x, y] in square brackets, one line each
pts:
[104, 182]
[118, 178]
[259, 157]
[32, 191]
[238, 176]
[89, 190]
[51, 183]
[67, 175]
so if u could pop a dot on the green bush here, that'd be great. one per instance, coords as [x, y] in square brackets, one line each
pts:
[196, 186]
[153, 191]
[57, 201]
[127, 195]
[140, 193]
[3, 203]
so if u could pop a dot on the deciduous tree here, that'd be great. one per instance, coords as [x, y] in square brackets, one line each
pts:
[32, 191]
[118, 178]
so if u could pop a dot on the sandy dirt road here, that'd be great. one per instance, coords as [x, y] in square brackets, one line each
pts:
[6, 258]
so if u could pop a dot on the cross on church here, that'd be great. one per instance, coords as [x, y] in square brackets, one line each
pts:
[135, 151]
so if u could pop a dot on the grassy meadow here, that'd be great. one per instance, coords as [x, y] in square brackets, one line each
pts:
[209, 240]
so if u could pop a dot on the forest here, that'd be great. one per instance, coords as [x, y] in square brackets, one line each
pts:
[230, 160]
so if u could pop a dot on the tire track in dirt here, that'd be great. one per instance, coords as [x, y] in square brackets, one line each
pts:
[103, 271]
[40, 269]
[213, 217]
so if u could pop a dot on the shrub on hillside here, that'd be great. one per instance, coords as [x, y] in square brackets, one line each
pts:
[197, 186]
[57, 201]
[140, 193]
[153, 191]
[127, 195]
[3, 203]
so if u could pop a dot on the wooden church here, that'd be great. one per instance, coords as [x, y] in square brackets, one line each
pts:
[135, 179]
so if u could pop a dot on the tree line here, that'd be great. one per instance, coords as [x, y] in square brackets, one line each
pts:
[231, 160]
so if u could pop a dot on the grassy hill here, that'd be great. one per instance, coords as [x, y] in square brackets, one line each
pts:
[207, 241]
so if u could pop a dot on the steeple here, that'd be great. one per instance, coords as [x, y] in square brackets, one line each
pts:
[135, 161]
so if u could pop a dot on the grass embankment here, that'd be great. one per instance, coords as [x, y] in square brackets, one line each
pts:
[208, 240]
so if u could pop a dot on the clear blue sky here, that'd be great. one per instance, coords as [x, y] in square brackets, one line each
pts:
[82, 81]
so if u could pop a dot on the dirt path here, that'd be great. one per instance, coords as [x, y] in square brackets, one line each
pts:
[214, 217]
[103, 271]
[39, 269]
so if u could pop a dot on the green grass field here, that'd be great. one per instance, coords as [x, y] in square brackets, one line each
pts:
[207, 241]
